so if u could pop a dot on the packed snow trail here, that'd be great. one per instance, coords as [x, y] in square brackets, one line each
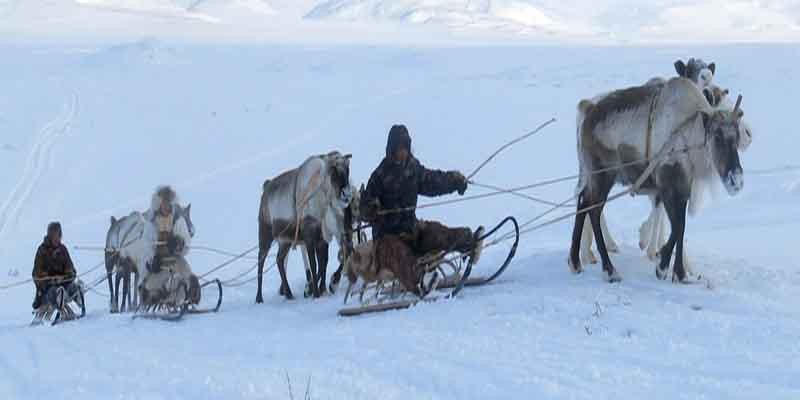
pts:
[39, 160]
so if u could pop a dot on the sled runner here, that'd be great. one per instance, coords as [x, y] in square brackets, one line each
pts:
[443, 272]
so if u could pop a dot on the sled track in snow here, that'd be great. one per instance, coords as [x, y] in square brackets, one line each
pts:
[39, 160]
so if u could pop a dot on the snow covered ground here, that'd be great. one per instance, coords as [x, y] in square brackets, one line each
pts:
[88, 131]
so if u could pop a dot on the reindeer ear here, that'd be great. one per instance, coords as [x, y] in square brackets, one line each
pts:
[713, 68]
[680, 68]
[113, 220]
[189, 208]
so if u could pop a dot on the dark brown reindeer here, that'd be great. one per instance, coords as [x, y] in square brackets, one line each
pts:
[688, 139]
[304, 206]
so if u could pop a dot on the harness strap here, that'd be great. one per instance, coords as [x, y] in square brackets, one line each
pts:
[651, 121]
[656, 161]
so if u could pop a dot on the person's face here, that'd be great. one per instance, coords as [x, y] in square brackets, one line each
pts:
[165, 208]
[55, 238]
[401, 155]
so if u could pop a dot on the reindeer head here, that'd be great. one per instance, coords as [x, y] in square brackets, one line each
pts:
[697, 71]
[339, 169]
[722, 137]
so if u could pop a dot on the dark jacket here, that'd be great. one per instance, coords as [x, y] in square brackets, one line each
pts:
[396, 186]
[52, 261]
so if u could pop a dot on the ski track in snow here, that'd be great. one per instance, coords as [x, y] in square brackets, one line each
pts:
[38, 162]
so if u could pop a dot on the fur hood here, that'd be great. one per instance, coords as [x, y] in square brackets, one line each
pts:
[163, 192]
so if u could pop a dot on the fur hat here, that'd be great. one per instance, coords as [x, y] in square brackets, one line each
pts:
[53, 228]
[398, 138]
[164, 192]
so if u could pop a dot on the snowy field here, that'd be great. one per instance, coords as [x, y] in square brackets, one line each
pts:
[88, 131]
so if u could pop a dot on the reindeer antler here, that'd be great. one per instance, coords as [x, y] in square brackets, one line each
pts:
[738, 103]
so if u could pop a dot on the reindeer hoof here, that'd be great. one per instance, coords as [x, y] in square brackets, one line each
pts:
[661, 274]
[678, 280]
[613, 277]
[575, 268]
[289, 296]
[259, 299]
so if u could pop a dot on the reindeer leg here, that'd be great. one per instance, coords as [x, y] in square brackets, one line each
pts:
[135, 289]
[117, 281]
[126, 287]
[610, 243]
[587, 255]
[112, 297]
[322, 265]
[676, 210]
[283, 251]
[658, 236]
[577, 233]
[265, 238]
[307, 291]
[600, 191]
[312, 235]
[675, 199]
[312, 260]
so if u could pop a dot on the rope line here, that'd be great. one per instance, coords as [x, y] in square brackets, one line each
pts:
[509, 144]
[229, 262]
[30, 280]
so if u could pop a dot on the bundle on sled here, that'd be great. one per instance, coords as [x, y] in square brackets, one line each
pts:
[60, 299]
[392, 276]
[173, 291]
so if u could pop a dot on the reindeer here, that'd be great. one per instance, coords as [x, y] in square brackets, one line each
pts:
[652, 232]
[304, 206]
[691, 141]
[127, 252]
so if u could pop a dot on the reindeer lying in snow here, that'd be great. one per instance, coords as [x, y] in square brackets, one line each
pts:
[688, 141]
[652, 233]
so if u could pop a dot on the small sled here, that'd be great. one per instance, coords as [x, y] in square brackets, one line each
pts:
[62, 309]
[173, 306]
[446, 274]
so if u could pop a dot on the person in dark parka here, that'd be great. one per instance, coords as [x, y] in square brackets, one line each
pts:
[389, 204]
[53, 268]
